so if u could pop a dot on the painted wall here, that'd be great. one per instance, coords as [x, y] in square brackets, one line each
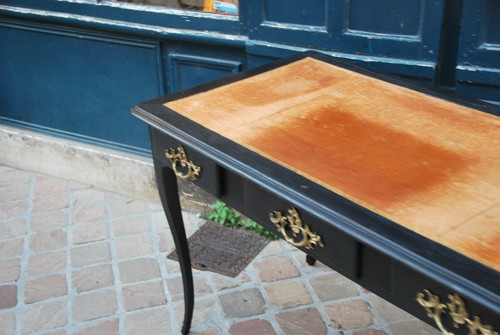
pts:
[73, 68]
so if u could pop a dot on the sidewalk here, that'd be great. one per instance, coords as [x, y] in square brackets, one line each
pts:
[79, 260]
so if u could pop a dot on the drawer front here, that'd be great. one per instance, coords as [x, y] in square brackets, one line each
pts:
[188, 163]
[440, 305]
[310, 234]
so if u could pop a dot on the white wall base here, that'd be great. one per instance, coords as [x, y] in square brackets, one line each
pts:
[104, 168]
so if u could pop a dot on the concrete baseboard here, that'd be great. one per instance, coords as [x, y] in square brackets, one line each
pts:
[108, 169]
[104, 168]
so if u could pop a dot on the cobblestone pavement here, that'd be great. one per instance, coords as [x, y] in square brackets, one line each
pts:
[79, 260]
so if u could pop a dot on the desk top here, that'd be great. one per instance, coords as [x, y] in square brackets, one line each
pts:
[428, 164]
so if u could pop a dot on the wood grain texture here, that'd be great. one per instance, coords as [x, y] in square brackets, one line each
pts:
[430, 165]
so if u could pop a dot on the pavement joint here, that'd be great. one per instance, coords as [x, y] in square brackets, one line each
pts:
[83, 260]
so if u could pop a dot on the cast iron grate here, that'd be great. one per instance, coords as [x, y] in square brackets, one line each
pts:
[223, 250]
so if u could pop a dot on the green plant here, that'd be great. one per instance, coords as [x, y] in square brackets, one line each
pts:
[223, 214]
[226, 216]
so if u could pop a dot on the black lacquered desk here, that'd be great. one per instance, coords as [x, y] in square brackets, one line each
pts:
[393, 185]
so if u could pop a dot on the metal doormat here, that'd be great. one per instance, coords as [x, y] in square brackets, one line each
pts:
[223, 250]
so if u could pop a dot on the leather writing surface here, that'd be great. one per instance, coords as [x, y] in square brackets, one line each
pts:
[428, 164]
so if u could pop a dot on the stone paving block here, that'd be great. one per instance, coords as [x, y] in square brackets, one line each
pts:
[138, 270]
[160, 220]
[276, 268]
[87, 197]
[387, 311]
[172, 266]
[114, 196]
[10, 270]
[373, 332]
[413, 327]
[245, 278]
[11, 248]
[110, 327]
[92, 278]
[46, 263]
[288, 294]
[176, 292]
[8, 296]
[151, 322]
[302, 322]
[240, 304]
[272, 249]
[50, 203]
[127, 207]
[192, 221]
[7, 323]
[221, 283]
[50, 186]
[87, 233]
[131, 226]
[90, 254]
[252, 327]
[13, 209]
[349, 315]
[50, 240]
[200, 314]
[14, 192]
[300, 258]
[287, 245]
[155, 206]
[76, 185]
[14, 177]
[44, 316]
[49, 221]
[166, 242]
[333, 286]
[44, 288]
[40, 177]
[206, 332]
[56, 332]
[94, 305]
[131, 247]
[88, 214]
[11, 229]
[143, 295]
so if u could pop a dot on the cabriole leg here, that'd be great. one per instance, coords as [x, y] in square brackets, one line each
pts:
[167, 187]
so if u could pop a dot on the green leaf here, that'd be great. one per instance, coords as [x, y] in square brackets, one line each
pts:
[229, 218]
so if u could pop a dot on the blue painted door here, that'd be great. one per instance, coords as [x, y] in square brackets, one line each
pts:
[74, 69]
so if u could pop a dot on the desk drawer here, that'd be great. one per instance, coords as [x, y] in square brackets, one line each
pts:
[332, 247]
[189, 164]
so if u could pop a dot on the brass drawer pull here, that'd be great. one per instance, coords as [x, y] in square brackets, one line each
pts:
[179, 157]
[309, 239]
[457, 311]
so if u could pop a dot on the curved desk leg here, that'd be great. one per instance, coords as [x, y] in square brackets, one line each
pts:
[167, 187]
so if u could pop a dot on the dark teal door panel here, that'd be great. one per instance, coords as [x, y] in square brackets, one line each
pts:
[77, 84]
[406, 29]
[478, 61]
[74, 68]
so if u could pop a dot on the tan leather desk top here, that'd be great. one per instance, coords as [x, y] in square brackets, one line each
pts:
[430, 165]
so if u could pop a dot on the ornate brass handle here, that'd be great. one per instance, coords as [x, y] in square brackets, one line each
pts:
[457, 311]
[179, 157]
[308, 239]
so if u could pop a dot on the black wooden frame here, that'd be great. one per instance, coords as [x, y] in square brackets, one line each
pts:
[386, 258]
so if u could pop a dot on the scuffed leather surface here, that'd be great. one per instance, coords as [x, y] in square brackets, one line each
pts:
[430, 165]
